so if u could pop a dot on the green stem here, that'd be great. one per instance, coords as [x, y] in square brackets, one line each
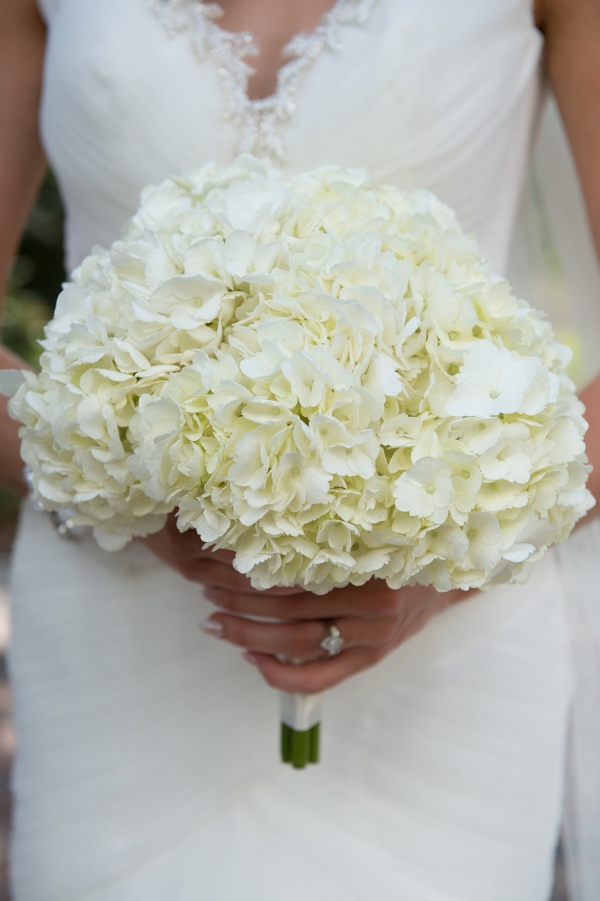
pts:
[286, 743]
[300, 747]
[300, 744]
[313, 751]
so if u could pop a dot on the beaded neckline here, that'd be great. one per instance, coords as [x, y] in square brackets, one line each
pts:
[260, 121]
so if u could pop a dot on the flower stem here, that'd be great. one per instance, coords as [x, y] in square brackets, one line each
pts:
[300, 749]
[315, 735]
[286, 743]
[300, 729]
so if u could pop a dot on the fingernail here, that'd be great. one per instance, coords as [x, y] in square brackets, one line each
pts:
[212, 594]
[250, 657]
[212, 627]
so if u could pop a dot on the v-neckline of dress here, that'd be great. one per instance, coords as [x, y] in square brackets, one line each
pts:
[249, 44]
[261, 119]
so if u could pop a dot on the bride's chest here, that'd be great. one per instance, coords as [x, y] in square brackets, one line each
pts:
[156, 67]
[423, 92]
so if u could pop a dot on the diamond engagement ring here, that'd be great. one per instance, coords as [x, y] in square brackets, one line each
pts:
[333, 641]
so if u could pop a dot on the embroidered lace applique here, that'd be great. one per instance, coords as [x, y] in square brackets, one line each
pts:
[260, 121]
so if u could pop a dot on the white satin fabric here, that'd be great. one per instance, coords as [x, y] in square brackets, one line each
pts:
[147, 766]
[553, 263]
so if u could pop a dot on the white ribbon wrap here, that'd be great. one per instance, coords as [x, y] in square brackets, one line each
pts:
[300, 712]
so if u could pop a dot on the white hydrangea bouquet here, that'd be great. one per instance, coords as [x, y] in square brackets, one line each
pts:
[318, 374]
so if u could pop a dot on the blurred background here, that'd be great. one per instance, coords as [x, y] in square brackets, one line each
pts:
[34, 283]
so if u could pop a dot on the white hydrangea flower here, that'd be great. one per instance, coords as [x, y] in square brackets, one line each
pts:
[318, 374]
[483, 533]
[426, 490]
[495, 380]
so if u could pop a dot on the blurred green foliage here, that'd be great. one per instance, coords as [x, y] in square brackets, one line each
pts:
[36, 277]
[33, 286]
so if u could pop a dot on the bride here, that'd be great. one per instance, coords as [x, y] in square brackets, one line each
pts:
[146, 766]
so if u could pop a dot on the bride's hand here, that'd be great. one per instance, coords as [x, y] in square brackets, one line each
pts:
[184, 552]
[373, 620]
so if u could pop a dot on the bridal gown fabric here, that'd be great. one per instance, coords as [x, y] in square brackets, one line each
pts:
[147, 766]
[553, 263]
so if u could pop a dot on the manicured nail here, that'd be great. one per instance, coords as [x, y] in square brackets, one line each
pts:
[250, 657]
[212, 627]
[212, 594]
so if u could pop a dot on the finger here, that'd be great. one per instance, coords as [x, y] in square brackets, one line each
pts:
[214, 574]
[174, 546]
[222, 577]
[317, 676]
[216, 554]
[296, 640]
[188, 544]
[302, 605]
[184, 545]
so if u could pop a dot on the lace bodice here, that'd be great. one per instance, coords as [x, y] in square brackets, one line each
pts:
[423, 92]
[260, 121]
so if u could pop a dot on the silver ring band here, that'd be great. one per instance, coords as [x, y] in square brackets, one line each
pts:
[333, 641]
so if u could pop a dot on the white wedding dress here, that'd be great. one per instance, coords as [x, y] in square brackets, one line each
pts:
[147, 766]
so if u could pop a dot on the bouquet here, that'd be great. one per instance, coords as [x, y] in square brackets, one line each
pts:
[318, 374]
